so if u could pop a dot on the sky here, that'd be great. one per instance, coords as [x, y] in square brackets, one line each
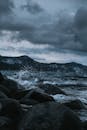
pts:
[46, 30]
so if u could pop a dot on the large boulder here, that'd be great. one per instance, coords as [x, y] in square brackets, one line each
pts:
[23, 97]
[1, 77]
[38, 96]
[8, 86]
[85, 125]
[11, 109]
[51, 89]
[28, 101]
[21, 93]
[75, 104]
[50, 116]
[5, 90]
[6, 123]
[2, 95]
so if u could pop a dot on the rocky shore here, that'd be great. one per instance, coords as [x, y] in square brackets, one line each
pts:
[36, 109]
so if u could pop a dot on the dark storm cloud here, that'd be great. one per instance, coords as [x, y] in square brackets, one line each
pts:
[11, 26]
[81, 27]
[32, 7]
[65, 30]
[53, 33]
[11, 22]
[6, 12]
[81, 18]
[5, 6]
[69, 32]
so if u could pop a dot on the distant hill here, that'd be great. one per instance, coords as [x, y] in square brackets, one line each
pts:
[25, 62]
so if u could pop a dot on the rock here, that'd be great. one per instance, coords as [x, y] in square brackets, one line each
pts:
[20, 94]
[10, 108]
[51, 89]
[75, 104]
[5, 90]
[25, 108]
[1, 77]
[38, 96]
[6, 123]
[8, 86]
[85, 125]
[50, 116]
[29, 101]
[2, 95]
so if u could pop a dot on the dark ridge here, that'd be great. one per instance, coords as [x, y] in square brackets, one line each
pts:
[25, 62]
[68, 64]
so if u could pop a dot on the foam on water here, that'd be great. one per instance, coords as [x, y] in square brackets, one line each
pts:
[29, 79]
[24, 78]
[62, 98]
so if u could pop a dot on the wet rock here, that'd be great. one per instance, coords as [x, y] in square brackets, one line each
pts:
[10, 108]
[29, 101]
[38, 96]
[51, 89]
[75, 104]
[5, 90]
[20, 94]
[8, 86]
[25, 108]
[1, 77]
[6, 123]
[50, 116]
[85, 125]
[2, 95]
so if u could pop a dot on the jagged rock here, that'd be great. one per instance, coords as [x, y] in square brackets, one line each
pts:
[38, 96]
[29, 101]
[20, 94]
[11, 109]
[50, 116]
[51, 89]
[75, 104]
[1, 77]
[2, 95]
[5, 90]
[85, 125]
[6, 123]
[8, 86]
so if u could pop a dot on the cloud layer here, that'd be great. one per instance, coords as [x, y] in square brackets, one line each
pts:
[5, 6]
[32, 7]
[65, 27]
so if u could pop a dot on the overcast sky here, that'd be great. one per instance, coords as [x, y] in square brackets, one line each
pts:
[46, 30]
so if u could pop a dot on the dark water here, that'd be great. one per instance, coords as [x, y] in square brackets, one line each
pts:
[75, 87]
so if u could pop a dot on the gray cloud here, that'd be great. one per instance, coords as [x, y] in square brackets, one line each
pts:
[81, 28]
[12, 21]
[32, 7]
[66, 29]
[81, 18]
[6, 12]
[68, 32]
[13, 26]
[5, 6]
[56, 32]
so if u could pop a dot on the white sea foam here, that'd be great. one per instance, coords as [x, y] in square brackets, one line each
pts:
[29, 80]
